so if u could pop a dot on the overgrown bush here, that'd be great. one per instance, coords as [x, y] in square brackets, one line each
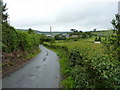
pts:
[14, 40]
[9, 38]
[100, 72]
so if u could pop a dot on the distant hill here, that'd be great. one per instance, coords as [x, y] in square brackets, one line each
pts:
[22, 29]
[104, 32]
[36, 31]
[42, 32]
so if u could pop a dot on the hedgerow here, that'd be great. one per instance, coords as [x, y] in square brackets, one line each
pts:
[13, 39]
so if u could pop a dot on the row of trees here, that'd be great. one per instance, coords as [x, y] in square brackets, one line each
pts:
[81, 34]
[98, 39]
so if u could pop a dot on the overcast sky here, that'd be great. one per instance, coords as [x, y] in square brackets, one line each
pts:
[62, 15]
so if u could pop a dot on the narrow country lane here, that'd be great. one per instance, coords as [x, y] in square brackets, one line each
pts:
[42, 72]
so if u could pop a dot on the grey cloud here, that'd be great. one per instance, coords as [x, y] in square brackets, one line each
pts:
[75, 14]
[94, 11]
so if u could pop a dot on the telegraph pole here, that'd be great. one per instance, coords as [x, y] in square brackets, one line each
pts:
[50, 30]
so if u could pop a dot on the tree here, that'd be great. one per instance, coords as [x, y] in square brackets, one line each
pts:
[96, 39]
[74, 30]
[99, 39]
[116, 25]
[84, 35]
[3, 13]
[94, 30]
[57, 37]
[30, 31]
[52, 41]
[80, 31]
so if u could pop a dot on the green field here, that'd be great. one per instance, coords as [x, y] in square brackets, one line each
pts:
[85, 47]
[85, 64]
[104, 32]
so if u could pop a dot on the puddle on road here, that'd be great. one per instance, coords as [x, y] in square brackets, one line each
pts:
[44, 59]
[47, 53]
[31, 74]
[38, 67]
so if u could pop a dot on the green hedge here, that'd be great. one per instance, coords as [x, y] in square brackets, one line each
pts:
[13, 39]
[9, 38]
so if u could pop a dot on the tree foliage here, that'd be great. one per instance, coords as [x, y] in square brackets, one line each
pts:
[3, 12]
[13, 39]
[30, 31]
[98, 39]
[116, 24]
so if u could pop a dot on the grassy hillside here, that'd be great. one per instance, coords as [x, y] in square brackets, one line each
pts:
[103, 33]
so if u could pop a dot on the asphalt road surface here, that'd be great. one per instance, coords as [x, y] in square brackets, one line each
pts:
[42, 72]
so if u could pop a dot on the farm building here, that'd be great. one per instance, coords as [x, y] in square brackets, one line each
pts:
[74, 36]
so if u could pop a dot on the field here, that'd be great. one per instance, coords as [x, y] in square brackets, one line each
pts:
[86, 46]
[85, 64]
[103, 32]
